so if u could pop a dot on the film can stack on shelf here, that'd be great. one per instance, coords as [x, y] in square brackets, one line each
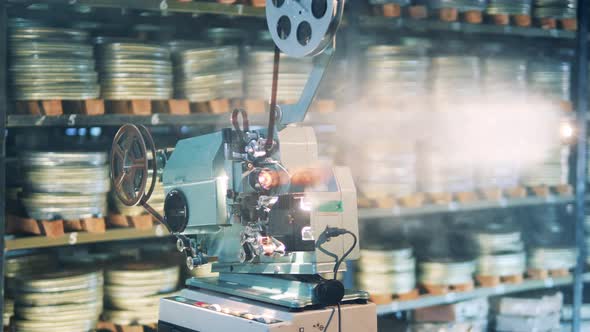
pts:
[500, 254]
[207, 74]
[58, 301]
[387, 273]
[133, 292]
[50, 64]
[441, 275]
[68, 189]
[554, 261]
[21, 267]
[134, 71]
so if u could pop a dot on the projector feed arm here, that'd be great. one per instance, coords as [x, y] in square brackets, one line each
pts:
[296, 113]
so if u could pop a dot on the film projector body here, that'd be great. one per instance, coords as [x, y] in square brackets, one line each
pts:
[256, 205]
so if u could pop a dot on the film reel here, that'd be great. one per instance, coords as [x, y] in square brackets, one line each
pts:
[130, 166]
[303, 27]
[130, 171]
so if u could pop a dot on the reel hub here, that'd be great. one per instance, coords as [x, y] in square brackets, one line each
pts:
[303, 27]
[130, 164]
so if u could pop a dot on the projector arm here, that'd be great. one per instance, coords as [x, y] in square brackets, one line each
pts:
[295, 113]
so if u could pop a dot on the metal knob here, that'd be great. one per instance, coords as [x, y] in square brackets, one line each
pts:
[180, 245]
[192, 262]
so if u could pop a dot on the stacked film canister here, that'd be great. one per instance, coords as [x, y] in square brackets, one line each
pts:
[384, 273]
[134, 71]
[64, 185]
[51, 63]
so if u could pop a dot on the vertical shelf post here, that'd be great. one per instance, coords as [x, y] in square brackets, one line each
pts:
[353, 93]
[581, 105]
[3, 111]
[353, 53]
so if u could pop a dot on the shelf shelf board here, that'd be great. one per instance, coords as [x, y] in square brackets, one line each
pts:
[76, 120]
[158, 119]
[76, 238]
[397, 211]
[425, 301]
[437, 26]
[169, 6]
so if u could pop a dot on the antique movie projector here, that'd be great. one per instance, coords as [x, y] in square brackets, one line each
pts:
[257, 205]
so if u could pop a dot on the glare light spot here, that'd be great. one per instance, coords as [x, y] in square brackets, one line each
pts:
[265, 180]
[307, 233]
[304, 205]
[567, 130]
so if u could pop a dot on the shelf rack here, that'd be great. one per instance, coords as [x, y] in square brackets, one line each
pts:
[378, 22]
[76, 120]
[433, 300]
[196, 8]
[158, 119]
[239, 10]
[167, 6]
[398, 211]
[76, 238]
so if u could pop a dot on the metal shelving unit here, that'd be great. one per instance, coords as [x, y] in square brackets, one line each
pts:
[163, 8]
[3, 112]
[75, 238]
[76, 120]
[85, 8]
[167, 6]
[502, 289]
[580, 98]
[398, 211]
[413, 25]
[158, 119]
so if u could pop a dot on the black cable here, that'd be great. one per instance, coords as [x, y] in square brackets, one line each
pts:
[339, 318]
[324, 237]
[339, 262]
[329, 320]
[336, 273]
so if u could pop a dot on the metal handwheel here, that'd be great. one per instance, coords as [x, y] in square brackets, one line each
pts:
[130, 164]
